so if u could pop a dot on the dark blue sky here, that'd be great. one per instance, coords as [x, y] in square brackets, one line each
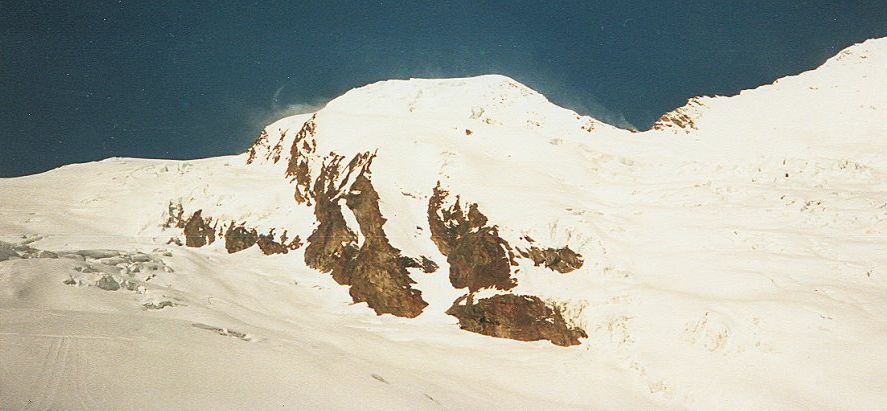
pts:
[186, 79]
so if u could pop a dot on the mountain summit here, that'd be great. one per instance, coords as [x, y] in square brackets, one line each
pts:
[733, 254]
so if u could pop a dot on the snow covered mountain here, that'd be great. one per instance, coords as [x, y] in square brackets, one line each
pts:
[733, 257]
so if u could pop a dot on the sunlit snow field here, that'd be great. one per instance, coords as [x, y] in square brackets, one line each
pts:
[739, 264]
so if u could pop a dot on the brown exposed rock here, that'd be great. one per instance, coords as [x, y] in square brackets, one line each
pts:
[197, 231]
[261, 140]
[295, 244]
[268, 246]
[239, 238]
[304, 145]
[274, 153]
[379, 278]
[292, 245]
[480, 260]
[262, 143]
[518, 317]
[376, 271]
[589, 126]
[682, 118]
[426, 264]
[562, 260]
[478, 256]
[175, 213]
[442, 233]
[332, 246]
[677, 119]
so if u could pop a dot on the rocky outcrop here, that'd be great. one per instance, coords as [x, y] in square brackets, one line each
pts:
[270, 246]
[562, 260]
[198, 232]
[239, 238]
[682, 118]
[332, 245]
[518, 317]
[379, 278]
[274, 153]
[262, 143]
[480, 258]
[375, 270]
[175, 212]
[477, 255]
[298, 169]
[426, 264]
[676, 119]
[261, 140]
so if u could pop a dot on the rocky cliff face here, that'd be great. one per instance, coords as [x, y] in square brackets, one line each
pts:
[333, 244]
[200, 230]
[304, 146]
[379, 274]
[375, 270]
[261, 140]
[477, 256]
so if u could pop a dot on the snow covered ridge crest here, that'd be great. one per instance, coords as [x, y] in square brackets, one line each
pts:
[844, 82]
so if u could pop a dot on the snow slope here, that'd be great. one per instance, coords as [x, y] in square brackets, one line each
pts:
[734, 258]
